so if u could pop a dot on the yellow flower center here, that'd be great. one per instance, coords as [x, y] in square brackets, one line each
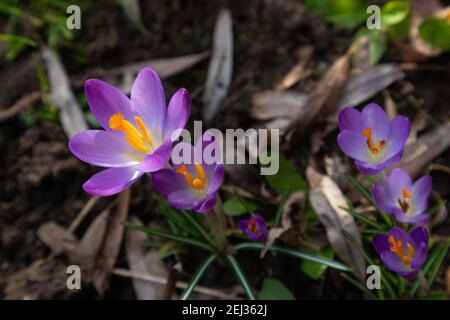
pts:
[138, 139]
[253, 226]
[195, 183]
[397, 248]
[373, 147]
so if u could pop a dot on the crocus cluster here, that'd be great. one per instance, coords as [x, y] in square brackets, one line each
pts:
[375, 143]
[137, 139]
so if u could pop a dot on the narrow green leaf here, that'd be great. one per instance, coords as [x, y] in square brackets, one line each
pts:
[197, 276]
[164, 234]
[358, 285]
[427, 265]
[273, 289]
[296, 254]
[240, 275]
[437, 265]
[201, 230]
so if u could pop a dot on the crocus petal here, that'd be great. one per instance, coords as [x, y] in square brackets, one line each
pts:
[350, 119]
[374, 168]
[411, 275]
[158, 159]
[420, 236]
[104, 100]
[418, 219]
[103, 148]
[183, 199]
[215, 181]
[380, 243]
[376, 119]
[111, 181]
[208, 204]
[166, 181]
[393, 262]
[177, 113]
[420, 192]
[421, 256]
[147, 97]
[381, 198]
[399, 129]
[353, 145]
[397, 181]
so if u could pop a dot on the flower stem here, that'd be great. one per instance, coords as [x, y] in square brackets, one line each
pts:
[217, 225]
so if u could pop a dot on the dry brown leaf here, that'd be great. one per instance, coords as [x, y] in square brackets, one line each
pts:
[220, 67]
[298, 72]
[123, 77]
[146, 262]
[327, 200]
[361, 87]
[99, 247]
[323, 99]
[111, 245]
[272, 104]
[62, 96]
[425, 149]
[296, 198]
[57, 238]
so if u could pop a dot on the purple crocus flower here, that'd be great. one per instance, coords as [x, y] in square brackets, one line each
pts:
[371, 139]
[191, 185]
[254, 227]
[137, 135]
[400, 197]
[401, 252]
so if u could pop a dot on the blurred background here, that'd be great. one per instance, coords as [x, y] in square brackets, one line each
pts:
[283, 64]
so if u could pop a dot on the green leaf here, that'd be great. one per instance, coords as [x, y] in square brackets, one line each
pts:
[240, 275]
[273, 289]
[287, 180]
[436, 32]
[197, 276]
[343, 13]
[296, 254]
[235, 207]
[315, 270]
[395, 18]
[377, 44]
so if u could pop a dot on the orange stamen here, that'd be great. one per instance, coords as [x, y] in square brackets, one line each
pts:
[253, 226]
[406, 193]
[397, 248]
[138, 140]
[195, 183]
[374, 148]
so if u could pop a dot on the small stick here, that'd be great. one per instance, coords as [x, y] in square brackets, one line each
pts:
[180, 284]
[19, 105]
[82, 214]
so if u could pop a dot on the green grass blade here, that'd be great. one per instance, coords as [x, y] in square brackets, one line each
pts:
[358, 285]
[358, 185]
[164, 234]
[240, 275]
[296, 254]
[201, 230]
[197, 276]
[431, 258]
[436, 266]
